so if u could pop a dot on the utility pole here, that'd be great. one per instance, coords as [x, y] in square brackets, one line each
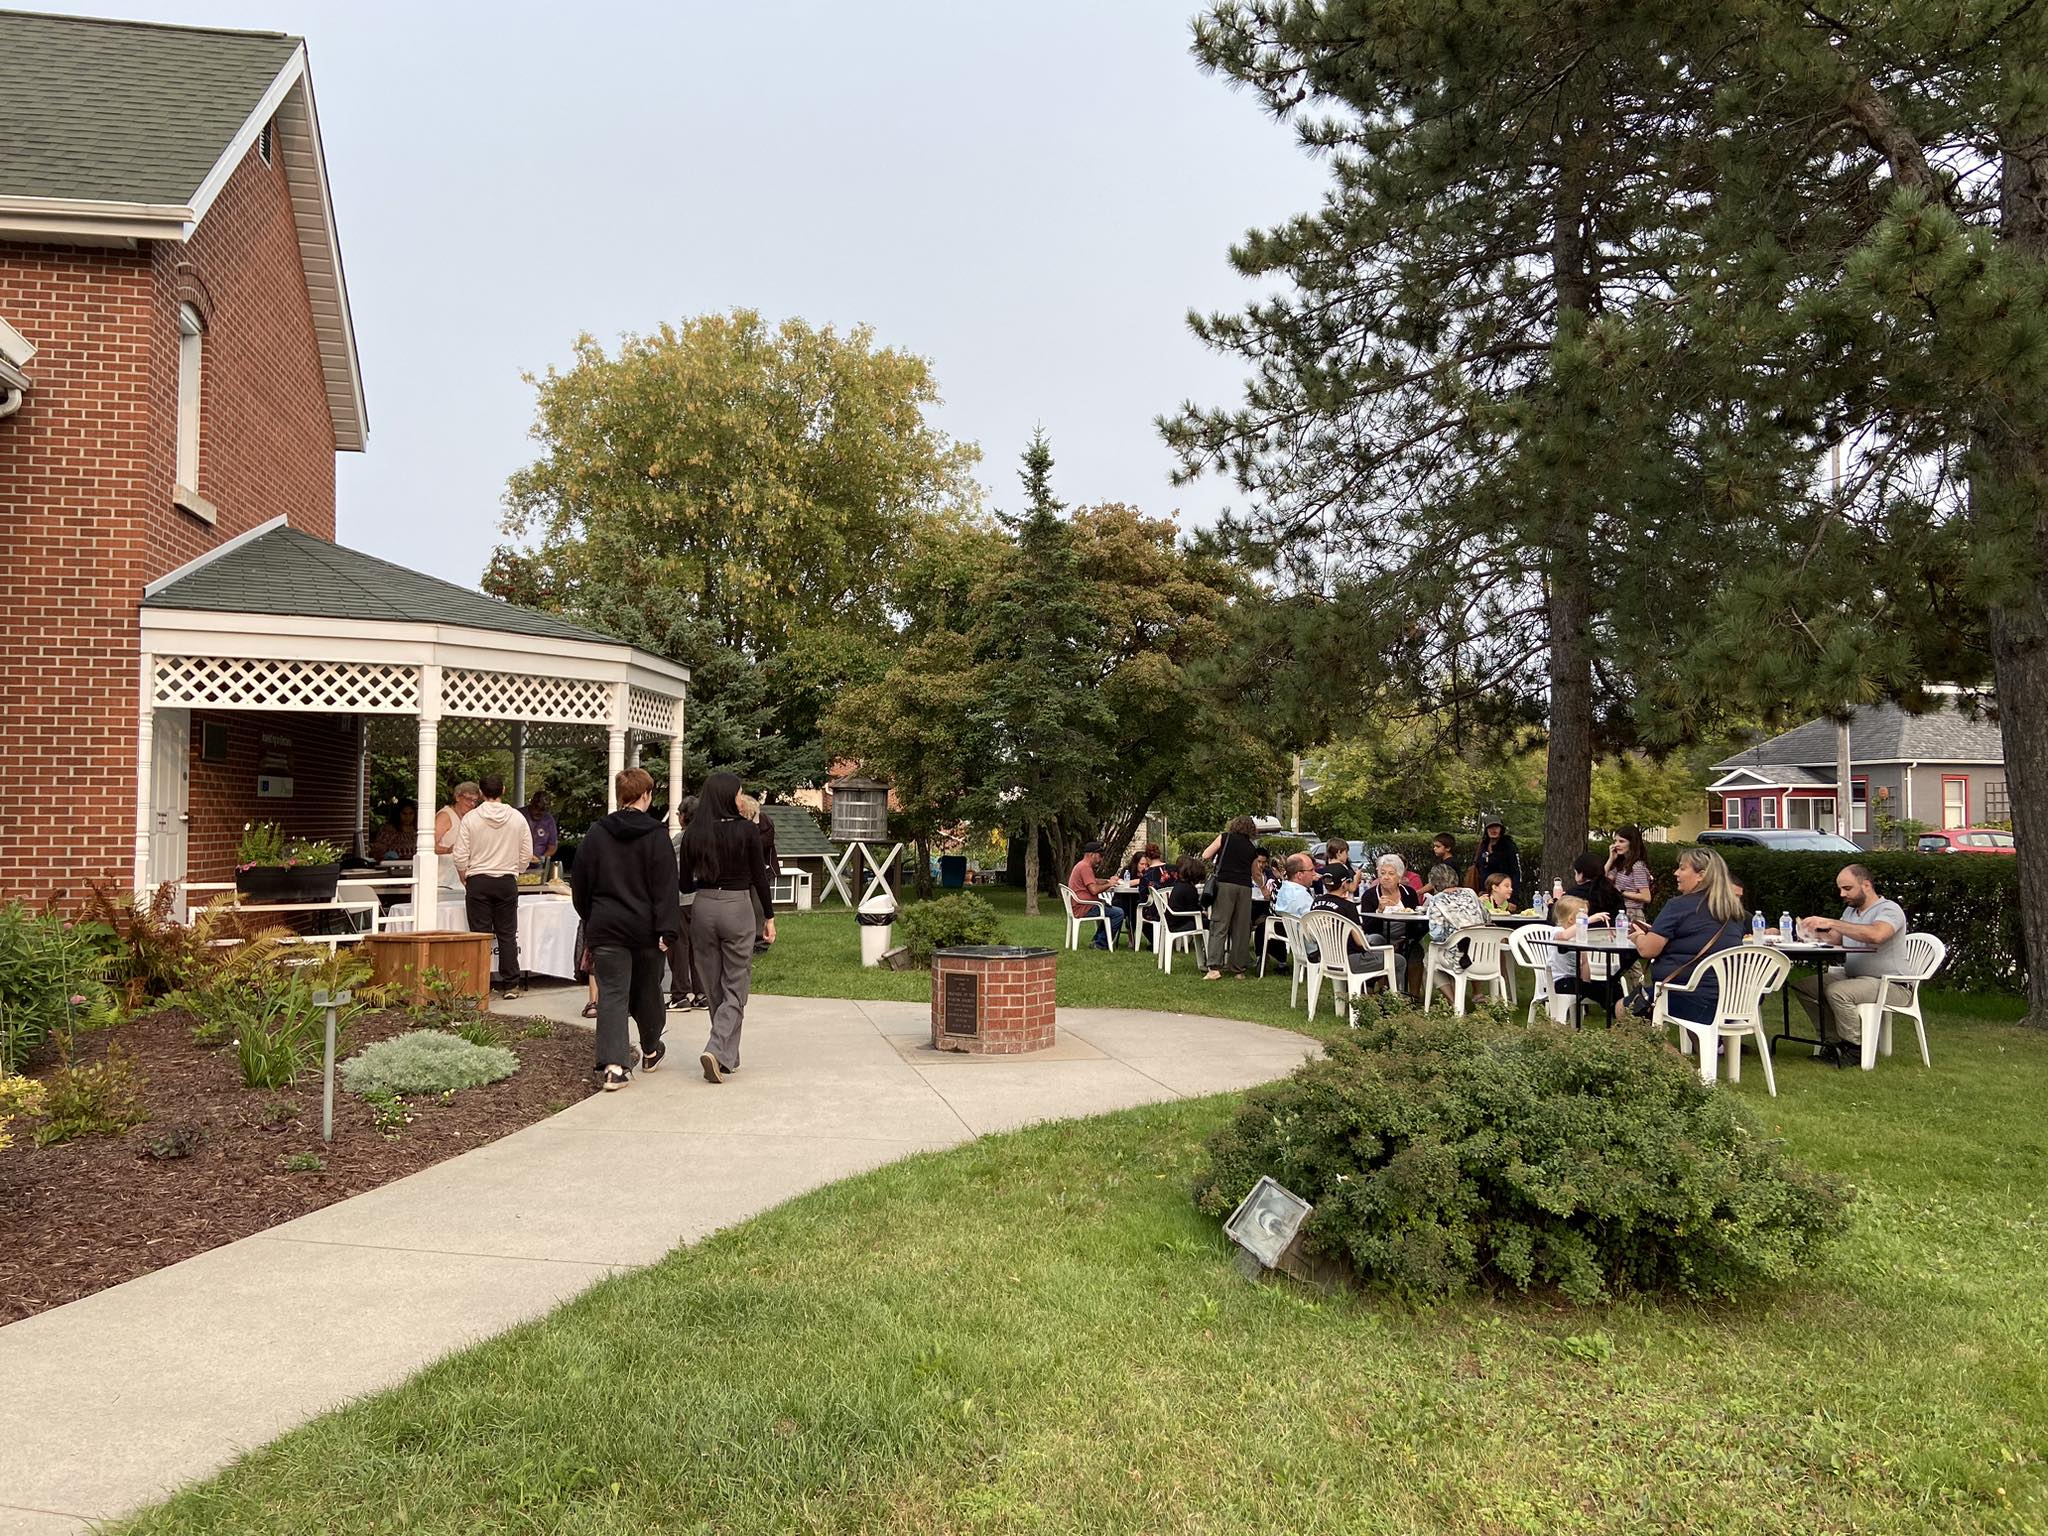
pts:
[1845, 785]
[1294, 822]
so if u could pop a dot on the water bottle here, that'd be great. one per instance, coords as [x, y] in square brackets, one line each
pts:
[1784, 927]
[1557, 890]
[1542, 905]
[1621, 925]
[1756, 927]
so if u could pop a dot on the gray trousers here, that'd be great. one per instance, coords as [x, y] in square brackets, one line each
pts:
[628, 983]
[1230, 928]
[722, 937]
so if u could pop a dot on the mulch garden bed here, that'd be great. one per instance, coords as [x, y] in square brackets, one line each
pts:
[86, 1214]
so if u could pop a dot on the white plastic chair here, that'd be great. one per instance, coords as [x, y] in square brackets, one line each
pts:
[1287, 929]
[1529, 947]
[1166, 939]
[1333, 936]
[1745, 975]
[1900, 994]
[1076, 918]
[1484, 967]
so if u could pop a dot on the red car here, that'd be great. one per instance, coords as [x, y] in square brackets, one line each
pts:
[1966, 840]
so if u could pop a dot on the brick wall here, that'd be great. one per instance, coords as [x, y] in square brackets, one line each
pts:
[318, 751]
[85, 497]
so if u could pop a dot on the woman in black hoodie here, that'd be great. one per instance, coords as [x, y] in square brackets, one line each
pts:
[624, 885]
[1499, 856]
[722, 863]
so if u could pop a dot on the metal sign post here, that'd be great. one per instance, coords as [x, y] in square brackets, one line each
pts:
[332, 1002]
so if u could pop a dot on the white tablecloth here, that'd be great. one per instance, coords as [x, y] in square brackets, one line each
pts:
[547, 931]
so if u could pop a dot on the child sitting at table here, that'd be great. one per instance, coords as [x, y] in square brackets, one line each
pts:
[1500, 893]
[1572, 971]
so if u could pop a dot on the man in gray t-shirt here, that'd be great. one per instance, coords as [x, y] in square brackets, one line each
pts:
[1873, 929]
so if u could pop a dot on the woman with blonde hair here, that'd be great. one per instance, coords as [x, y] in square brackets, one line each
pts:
[1704, 918]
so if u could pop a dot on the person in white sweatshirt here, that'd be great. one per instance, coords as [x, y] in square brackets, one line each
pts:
[492, 845]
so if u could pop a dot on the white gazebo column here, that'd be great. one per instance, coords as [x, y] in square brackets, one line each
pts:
[362, 785]
[519, 763]
[145, 773]
[426, 866]
[675, 772]
[615, 747]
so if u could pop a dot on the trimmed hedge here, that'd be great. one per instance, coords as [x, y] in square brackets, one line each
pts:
[947, 922]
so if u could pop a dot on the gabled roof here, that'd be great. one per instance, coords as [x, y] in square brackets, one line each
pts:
[279, 570]
[796, 833]
[119, 131]
[1880, 733]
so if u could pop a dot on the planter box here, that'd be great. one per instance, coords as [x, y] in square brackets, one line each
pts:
[403, 959]
[303, 882]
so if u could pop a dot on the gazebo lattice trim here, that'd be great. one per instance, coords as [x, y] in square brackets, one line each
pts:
[327, 687]
[523, 696]
[651, 712]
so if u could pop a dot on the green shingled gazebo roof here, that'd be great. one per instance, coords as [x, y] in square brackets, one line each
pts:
[284, 571]
[796, 833]
[119, 111]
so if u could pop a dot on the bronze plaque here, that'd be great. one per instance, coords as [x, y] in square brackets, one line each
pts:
[963, 1003]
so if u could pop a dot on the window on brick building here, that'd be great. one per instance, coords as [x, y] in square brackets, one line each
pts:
[263, 143]
[191, 338]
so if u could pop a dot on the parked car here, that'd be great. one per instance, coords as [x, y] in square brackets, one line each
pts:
[1967, 840]
[1789, 841]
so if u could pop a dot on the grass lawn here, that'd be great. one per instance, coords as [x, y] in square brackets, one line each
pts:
[1036, 1332]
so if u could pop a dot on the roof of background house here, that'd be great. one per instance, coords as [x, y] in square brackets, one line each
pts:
[126, 131]
[121, 111]
[797, 834]
[1880, 733]
[283, 571]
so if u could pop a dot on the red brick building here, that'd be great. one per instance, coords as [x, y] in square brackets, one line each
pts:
[182, 647]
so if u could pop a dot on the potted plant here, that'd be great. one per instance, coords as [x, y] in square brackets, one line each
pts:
[270, 868]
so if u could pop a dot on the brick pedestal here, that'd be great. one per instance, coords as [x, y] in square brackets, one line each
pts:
[992, 999]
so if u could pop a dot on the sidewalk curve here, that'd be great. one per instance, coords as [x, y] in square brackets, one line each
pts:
[118, 1399]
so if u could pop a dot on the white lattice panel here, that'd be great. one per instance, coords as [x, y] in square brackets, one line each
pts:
[653, 712]
[232, 682]
[523, 696]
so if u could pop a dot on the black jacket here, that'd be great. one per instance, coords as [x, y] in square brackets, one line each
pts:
[624, 882]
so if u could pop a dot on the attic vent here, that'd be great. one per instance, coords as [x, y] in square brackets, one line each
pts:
[263, 143]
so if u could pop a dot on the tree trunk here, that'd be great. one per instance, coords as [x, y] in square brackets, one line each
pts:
[924, 868]
[2019, 626]
[1031, 869]
[1568, 765]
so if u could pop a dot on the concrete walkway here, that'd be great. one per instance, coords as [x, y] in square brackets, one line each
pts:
[115, 1400]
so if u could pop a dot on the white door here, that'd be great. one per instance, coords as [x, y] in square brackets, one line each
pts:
[170, 796]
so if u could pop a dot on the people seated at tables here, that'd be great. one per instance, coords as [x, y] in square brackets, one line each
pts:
[1389, 892]
[398, 839]
[1873, 929]
[1342, 900]
[1091, 896]
[1233, 853]
[1628, 866]
[1498, 855]
[1450, 908]
[1499, 896]
[1297, 892]
[1144, 866]
[1704, 918]
[1184, 895]
[1593, 887]
[1574, 972]
[1336, 870]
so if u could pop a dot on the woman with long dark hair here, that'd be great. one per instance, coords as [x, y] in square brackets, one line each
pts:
[1628, 866]
[1499, 856]
[721, 862]
[1230, 922]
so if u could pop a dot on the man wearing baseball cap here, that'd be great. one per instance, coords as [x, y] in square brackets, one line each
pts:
[1088, 885]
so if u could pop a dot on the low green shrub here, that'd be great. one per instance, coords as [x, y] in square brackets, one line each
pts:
[1280, 846]
[53, 980]
[101, 1098]
[18, 1096]
[1446, 1153]
[425, 1061]
[946, 923]
[260, 997]
[302, 1162]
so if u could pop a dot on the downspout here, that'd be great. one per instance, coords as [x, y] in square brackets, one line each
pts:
[1909, 790]
[10, 402]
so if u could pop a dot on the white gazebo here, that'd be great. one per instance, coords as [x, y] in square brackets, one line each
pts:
[279, 621]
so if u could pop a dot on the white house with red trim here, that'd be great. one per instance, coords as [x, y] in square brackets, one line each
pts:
[1945, 768]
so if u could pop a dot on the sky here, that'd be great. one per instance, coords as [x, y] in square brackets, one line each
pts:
[1030, 197]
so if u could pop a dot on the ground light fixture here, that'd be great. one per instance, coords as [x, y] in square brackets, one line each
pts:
[1267, 1220]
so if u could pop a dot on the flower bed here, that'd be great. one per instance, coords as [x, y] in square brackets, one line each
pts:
[216, 1160]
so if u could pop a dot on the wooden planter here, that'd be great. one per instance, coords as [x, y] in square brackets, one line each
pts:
[269, 883]
[403, 959]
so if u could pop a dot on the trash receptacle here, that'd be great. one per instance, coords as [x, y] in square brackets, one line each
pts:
[952, 871]
[877, 919]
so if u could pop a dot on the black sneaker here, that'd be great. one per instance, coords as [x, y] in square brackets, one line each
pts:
[649, 1060]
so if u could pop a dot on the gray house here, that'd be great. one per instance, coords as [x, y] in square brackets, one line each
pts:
[1943, 768]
